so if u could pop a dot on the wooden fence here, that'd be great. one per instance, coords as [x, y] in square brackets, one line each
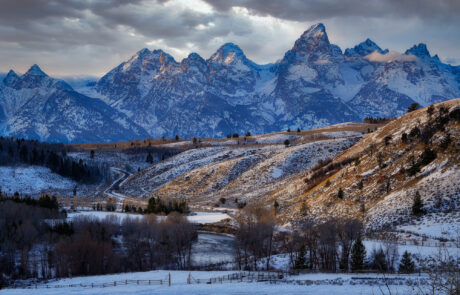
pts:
[166, 281]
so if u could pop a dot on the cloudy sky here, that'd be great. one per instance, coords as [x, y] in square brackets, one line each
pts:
[78, 37]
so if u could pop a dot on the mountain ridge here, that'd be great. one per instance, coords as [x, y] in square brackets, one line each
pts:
[314, 84]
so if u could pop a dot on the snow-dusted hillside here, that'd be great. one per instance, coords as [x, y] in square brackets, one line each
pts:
[377, 184]
[247, 171]
[33, 180]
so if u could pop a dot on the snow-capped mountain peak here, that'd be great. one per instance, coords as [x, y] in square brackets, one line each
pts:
[313, 85]
[419, 50]
[193, 59]
[35, 71]
[228, 53]
[365, 48]
[314, 44]
[317, 31]
[10, 78]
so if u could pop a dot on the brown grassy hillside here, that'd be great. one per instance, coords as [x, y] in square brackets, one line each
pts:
[377, 178]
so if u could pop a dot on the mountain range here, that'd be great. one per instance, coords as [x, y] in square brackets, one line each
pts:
[152, 95]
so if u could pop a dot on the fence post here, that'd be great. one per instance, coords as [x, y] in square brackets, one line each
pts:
[189, 281]
[169, 279]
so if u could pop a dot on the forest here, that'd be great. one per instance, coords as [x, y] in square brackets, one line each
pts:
[36, 241]
[52, 155]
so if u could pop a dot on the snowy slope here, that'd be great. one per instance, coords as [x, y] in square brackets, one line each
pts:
[32, 180]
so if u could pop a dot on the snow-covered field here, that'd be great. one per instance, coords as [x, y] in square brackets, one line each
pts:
[32, 180]
[194, 217]
[211, 248]
[338, 284]
[441, 226]
[207, 217]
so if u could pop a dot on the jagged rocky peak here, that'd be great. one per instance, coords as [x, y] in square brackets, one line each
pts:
[35, 71]
[36, 78]
[228, 53]
[365, 48]
[145, 60]
[143, 52]
[193, 59]
[195, 56]
[10, 78]
[419, 50]
[313, 39]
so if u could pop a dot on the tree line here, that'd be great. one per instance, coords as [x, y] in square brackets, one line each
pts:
[330, 245]
[36, 241]
[52, 155]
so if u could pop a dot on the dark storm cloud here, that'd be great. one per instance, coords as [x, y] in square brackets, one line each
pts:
[91, 36]
[42, 29]
[314, 10]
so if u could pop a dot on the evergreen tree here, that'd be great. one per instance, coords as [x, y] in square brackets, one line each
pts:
[340, 193]
[413, 107]
[379, 261]
[417, 205]
[430, 110]
[358, 254]
[276, 205]
[406, 265]
[427, 156]
[361, 184]
[404, 137]
[24, 154]
[300, 262]
[304, 209]
[149, 158]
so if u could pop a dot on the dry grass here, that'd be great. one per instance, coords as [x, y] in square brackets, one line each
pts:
[322, 200]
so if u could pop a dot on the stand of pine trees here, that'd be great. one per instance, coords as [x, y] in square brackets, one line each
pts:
[358, 254]
[51, 155]
[158, 206]
[406, 265]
